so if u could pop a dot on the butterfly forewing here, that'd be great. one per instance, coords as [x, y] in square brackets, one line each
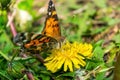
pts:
[51, 24]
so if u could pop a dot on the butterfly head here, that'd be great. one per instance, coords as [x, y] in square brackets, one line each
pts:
[22, 38]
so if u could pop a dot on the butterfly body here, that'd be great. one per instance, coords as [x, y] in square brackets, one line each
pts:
[48, 39]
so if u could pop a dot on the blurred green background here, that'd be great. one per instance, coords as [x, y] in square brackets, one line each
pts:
[93, 21]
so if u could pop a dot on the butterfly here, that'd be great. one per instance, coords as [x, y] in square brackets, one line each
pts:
[48, 39]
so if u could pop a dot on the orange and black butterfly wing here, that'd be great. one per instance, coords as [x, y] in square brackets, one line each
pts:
[33, 43]
[41, 42]
[51, 27]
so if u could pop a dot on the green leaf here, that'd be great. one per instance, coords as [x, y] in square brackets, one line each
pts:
[3, 20]
[100, 76]
[6, 43]
[97, 58]
[67, 74]
[116, 38]
[45, 72]
[44, 77]
[15, 69]
[98, 43]
[3, 75]
[97, 30]
[100, 3]
[26, 5]
[98, 53]
[5, 56]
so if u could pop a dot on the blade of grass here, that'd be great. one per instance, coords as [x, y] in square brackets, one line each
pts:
[3, 55]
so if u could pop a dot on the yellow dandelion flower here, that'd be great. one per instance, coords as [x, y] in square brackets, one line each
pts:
[70, 55]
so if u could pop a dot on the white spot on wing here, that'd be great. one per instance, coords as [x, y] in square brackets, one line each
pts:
[49, 13]
[52, 5]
